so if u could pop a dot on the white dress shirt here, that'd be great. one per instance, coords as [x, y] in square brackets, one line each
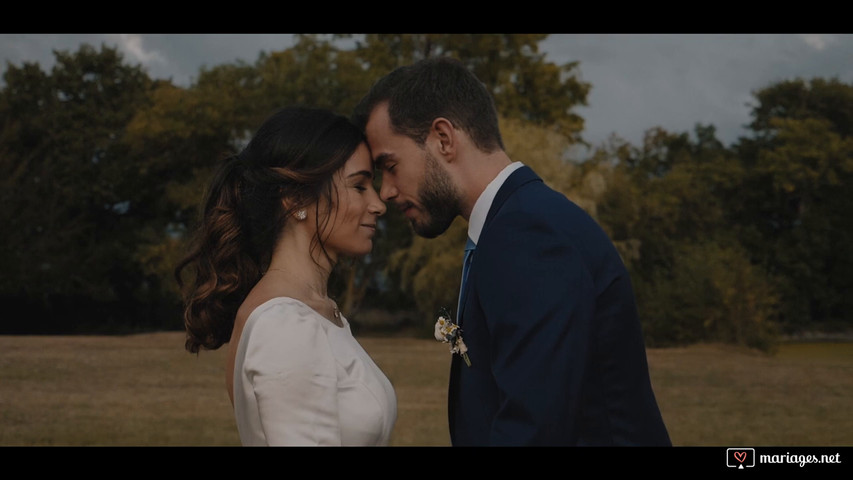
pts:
[484, 201]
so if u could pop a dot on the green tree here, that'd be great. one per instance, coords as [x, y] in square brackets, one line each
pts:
[316, 71]
[664, 211]
[799, 99]
[791, 206]
[711, 293]
[70, 193]
[665, 195]
[176, 141]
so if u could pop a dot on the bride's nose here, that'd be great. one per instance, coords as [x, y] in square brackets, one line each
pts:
[377, 207]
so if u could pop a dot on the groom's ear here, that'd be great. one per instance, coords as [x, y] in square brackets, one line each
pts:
[443, 138]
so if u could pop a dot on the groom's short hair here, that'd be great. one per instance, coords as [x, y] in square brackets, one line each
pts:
[419, 93]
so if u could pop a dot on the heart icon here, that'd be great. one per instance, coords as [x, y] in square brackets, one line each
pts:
[740, 456]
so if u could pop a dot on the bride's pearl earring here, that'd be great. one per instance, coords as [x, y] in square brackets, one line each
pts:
[301, 215]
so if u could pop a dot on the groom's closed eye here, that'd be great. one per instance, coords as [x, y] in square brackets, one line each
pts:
[383, 162]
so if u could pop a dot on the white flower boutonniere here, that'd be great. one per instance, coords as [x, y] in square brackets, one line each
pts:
[447, 331]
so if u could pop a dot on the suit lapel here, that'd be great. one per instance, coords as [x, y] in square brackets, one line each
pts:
[518, 178]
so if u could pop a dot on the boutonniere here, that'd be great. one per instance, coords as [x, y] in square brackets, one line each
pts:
[447, 331]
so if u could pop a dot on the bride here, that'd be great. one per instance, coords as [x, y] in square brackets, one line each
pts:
[276, 219]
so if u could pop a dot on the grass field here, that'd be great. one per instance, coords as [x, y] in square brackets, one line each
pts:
[146, 390]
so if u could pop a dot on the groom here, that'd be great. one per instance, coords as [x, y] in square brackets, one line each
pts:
[546, 308]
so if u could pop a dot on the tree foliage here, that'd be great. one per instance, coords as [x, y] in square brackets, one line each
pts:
[692, 279]
[73, 205]
[793, 200]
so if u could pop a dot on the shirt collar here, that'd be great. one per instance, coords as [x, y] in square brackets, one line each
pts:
[484, 202]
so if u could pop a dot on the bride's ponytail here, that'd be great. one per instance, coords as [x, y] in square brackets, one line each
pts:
[222, 257]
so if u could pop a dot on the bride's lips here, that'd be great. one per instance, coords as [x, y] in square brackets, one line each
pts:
[371, 226]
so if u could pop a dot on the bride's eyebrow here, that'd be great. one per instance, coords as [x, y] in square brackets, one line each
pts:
[365, 173]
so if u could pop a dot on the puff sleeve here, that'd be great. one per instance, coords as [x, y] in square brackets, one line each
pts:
[291, 369]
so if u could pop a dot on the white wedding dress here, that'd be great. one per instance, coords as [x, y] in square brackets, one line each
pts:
[299, 379]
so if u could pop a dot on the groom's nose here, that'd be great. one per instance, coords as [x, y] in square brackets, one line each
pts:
[387, 191]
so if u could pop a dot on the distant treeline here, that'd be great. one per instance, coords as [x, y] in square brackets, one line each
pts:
[103, 170]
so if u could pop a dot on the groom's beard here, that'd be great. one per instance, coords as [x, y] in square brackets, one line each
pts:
[439, 200]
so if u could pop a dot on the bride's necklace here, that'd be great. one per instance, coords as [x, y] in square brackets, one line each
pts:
[336, 312]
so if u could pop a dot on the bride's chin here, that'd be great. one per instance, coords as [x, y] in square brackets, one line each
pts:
[367, 249]
[359, 251]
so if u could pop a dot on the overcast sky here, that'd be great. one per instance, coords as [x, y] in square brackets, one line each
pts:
[639, 81]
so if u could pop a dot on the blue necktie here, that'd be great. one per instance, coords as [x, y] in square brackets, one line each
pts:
[466, 264]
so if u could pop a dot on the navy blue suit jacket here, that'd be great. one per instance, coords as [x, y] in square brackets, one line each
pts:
[550, 322]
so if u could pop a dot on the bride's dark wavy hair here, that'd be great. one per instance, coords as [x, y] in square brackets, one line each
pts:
[293, 156]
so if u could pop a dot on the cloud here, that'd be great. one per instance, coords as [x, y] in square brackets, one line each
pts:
[131, 45]
[817, 41]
